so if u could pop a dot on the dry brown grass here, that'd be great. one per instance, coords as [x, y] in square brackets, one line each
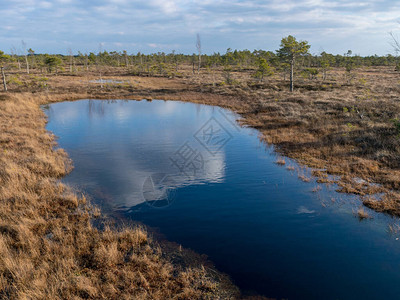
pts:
[304, 178]
[280, 162]
[394, 228]
[316, 189]
[362, 214]
[49, 248]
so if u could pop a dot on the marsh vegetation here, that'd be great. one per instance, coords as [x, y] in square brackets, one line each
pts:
[341, 119]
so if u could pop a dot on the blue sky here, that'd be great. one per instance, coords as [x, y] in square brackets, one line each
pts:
[165, 25]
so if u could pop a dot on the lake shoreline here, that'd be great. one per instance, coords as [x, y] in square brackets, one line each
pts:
[329, 152]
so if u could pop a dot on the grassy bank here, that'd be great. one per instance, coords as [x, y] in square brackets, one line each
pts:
[48, 246]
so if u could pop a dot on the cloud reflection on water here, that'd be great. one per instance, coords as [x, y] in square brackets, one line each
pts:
[118, 145]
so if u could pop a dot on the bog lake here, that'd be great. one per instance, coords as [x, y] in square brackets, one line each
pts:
[191, 172]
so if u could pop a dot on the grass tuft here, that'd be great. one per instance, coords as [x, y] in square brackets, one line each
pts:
[362, 214]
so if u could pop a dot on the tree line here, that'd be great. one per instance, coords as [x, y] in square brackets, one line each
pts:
[291, 56]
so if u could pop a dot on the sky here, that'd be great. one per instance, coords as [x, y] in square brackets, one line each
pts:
[61, 26]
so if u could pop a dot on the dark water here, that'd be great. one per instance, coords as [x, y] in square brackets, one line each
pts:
[211, 186]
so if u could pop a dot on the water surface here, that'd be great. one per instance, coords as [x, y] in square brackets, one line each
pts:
[212, 186]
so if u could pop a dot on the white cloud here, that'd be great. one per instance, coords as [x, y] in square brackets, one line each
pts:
[161, 24]
[167, 6]
[45, 4]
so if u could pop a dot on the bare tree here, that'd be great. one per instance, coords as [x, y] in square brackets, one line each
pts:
[86, 61]
[26, 55]
[396, 47]
[31, 54]
[4, 58]
[71, 60]
[99, 62]
[175, 60]
[198, 46]
[125, 54]
[4, 79]
[395, 43]
[15, 55]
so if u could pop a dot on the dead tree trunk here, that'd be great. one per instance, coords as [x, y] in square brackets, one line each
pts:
[26, 56]
[4, 79]
[86, 62]
[292, 75]
[126, 60]
[27, 64]
[198, 46]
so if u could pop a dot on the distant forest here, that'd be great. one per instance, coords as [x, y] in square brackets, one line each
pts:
[169, 63]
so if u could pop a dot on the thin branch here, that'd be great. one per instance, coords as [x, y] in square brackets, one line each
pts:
[395, 42]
